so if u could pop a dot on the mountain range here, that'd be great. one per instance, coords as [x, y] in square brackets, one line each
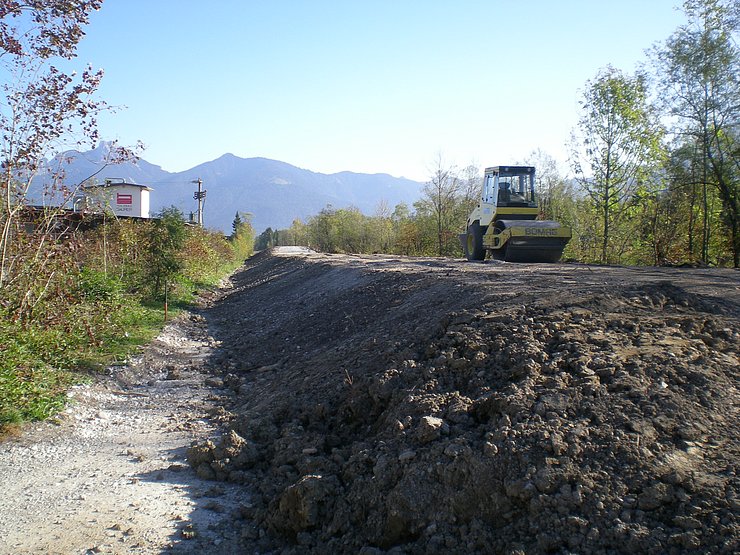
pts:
[274, 193]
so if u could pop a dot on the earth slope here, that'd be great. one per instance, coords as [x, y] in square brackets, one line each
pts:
[400, 405]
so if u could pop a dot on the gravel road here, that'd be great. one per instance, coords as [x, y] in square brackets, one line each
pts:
[109, 475]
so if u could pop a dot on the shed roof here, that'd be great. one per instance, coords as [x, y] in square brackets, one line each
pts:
[110, 183]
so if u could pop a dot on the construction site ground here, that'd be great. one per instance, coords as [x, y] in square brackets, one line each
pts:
[377, 404]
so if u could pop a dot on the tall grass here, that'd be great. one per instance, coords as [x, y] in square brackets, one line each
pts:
[92, 305]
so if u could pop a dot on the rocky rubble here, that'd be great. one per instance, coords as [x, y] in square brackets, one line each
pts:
[431, 407]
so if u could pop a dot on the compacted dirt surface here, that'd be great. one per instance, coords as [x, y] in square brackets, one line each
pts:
[377, 404]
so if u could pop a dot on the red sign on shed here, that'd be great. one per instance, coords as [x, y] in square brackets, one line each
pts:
[122, 198]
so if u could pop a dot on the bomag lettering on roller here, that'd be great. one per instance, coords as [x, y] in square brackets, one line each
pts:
[505, 222]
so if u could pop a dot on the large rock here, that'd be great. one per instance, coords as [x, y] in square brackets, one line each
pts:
[305, 504]
[431, 428]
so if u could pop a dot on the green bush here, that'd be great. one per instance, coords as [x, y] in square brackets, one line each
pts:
[96, 286]
[97, 300]
[30, 387]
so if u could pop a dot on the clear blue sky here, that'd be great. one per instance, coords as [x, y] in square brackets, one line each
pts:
[373, 86]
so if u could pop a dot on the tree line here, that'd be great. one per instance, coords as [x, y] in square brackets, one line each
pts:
[653, 169]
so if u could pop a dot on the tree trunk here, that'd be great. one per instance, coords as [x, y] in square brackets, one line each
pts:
[607, 199]
[692, 205]
[705, 224]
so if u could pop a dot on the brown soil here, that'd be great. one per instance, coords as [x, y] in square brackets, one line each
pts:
[377, 404]
[431, 405]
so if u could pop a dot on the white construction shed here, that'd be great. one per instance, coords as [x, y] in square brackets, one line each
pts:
[124, 199]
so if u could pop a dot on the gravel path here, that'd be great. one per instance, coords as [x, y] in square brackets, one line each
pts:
[110, 475]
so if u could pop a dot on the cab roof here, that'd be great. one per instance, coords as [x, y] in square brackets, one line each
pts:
[510, 170]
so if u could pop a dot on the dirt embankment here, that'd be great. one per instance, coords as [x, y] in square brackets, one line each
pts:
[391, 405]
[398, 405]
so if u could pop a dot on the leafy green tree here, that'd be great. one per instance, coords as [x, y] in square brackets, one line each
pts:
[547, 180]
[470, 191]
[699, 70]
[265, 240]
[296, 234]
[324, 230]
[697, 219]
[381, 228]
[615, 148]
[299, 233]
[167, 239]
[242, 242]
[659, 227]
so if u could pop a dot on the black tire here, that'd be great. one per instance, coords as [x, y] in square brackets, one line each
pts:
[474, 250]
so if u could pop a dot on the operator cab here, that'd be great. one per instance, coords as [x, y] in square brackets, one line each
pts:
[509, 186]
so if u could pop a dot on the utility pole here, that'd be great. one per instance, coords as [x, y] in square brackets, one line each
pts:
[200, 195]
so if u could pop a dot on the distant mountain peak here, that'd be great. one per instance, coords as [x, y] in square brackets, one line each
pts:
[274, 192]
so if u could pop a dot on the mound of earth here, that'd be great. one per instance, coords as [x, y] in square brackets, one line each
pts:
[401, 405]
